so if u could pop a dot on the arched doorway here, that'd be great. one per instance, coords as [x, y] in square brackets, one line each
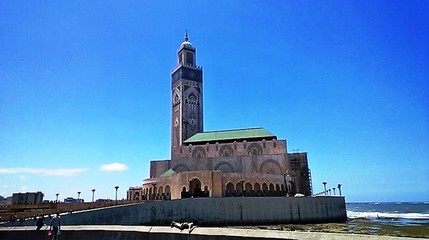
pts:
[137, 196]
[167, 192]
[271, 191]
[195, 188]
[229, 190]
[248, 189]
[239, 188]
[184, 193]
[257, 189]
[264, 189]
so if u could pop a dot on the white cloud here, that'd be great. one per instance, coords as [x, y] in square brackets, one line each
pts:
[47, 172]
[22, 177]
[113, 167]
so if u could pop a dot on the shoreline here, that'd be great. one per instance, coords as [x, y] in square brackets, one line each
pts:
[354, 226]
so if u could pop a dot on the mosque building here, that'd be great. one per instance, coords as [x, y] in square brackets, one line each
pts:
[227, 163]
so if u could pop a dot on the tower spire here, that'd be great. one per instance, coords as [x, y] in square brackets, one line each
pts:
[186, 36]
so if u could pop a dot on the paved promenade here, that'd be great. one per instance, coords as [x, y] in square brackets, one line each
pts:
[115, 232]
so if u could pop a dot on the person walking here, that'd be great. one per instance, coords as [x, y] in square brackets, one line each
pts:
[55, 226]
[40, 222]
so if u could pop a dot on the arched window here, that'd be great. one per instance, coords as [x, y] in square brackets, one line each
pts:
[229, 189]
[257, 189]
[264, 187]
[239, 187]
[271, 188]
[248, 188]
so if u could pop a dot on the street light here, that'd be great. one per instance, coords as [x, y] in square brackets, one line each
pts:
[57, 197]
[334, 190]
[116, 198]
[324, 185]
[78, 196]
[339, 188]
[93, 190]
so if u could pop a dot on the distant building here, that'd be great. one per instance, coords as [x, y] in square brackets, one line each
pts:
[72, 200]
[27, 198]
[4, 202]
[103, 200]
[237, 162]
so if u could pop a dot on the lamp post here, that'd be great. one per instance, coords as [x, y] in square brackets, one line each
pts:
[116, 198]
[57, 197]
[78, 196]
[324, 185]
[329, 192]
[334, 190]
[339, 188]
[93, 190]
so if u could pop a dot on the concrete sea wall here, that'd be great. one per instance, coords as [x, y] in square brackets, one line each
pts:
[218, 212]
[213, 212]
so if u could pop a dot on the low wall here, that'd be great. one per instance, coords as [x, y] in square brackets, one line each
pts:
[216, 212]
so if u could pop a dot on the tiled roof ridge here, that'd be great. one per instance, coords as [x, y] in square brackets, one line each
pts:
[237, 129]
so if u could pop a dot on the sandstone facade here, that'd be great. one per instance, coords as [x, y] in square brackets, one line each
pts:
[238, 162]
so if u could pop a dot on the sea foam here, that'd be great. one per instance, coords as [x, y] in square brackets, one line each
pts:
[383, 215]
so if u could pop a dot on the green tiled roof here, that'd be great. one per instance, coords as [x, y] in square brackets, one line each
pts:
[230, 135]
[168, 173]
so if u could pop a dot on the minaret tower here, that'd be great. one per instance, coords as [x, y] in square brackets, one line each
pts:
[187, 97]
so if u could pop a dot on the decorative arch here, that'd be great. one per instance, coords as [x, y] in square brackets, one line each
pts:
[257, 187]
[264, 187]
[160, 190]
[198, 152]
[167, 189]
[226, 151]
[239, 187]
[270, 167]
[254, 149]
[271, 187]
[136, 196]
[181, 168]
[195, 187]
[229, 189]
[248, 187]
[224, 167]
[176, 97]
[192, 98]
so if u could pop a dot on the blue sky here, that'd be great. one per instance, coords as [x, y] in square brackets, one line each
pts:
[85, 89]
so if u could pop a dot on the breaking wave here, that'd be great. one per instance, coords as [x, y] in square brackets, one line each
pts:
[381, 215]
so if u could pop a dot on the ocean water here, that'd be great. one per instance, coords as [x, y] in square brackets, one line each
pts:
[409, 219]
[400, 219]
[398, 214]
